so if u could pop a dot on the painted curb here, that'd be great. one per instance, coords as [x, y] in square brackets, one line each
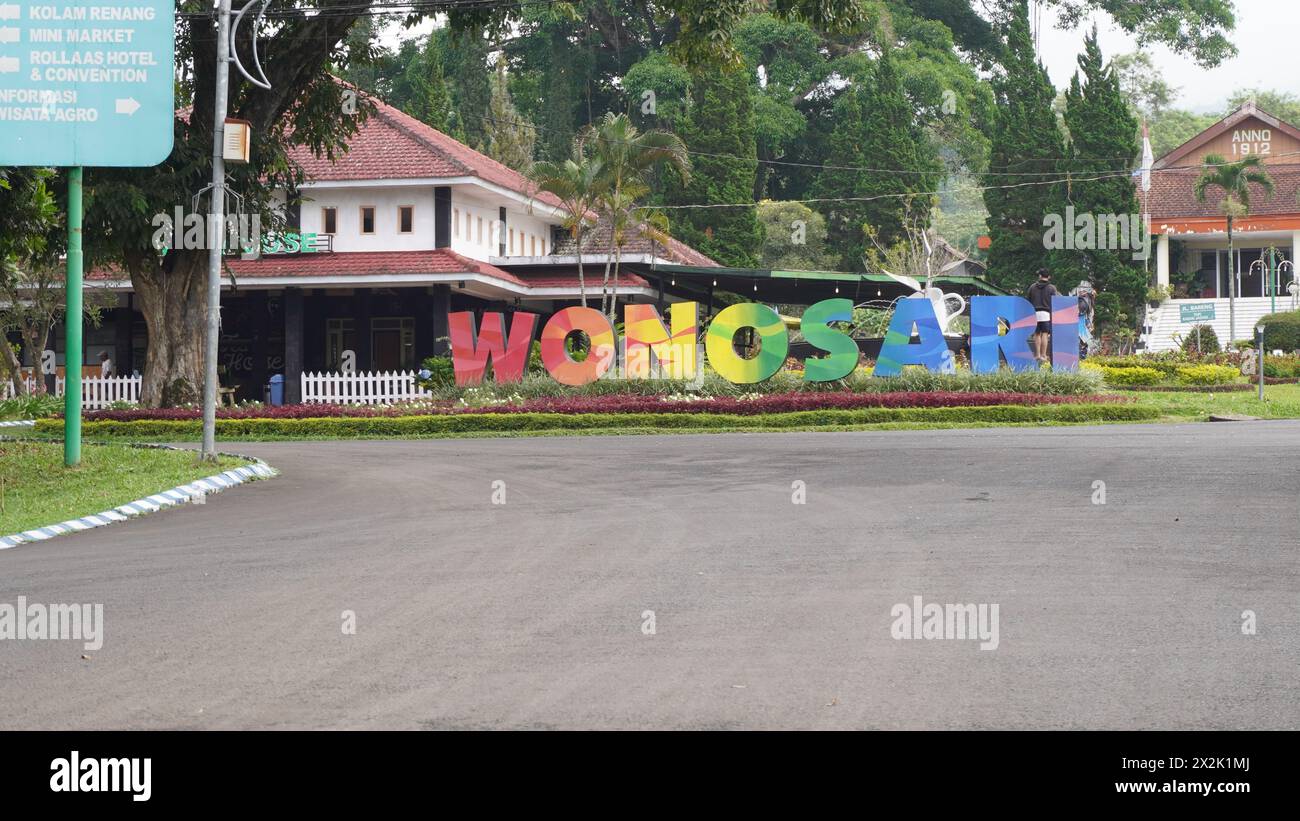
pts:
[182, 494]
[24, 423]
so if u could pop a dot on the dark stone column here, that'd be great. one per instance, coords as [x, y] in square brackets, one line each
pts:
[260, 328]
[123, 320]
[441, 306]
[293, 346]
[423, 307]
[364, 310]
[442, 217]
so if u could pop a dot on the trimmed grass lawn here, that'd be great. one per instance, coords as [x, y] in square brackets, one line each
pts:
[37, 490]
[1280, 402]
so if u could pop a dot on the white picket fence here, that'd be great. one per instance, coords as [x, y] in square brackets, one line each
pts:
[97, 392]
[361, 388]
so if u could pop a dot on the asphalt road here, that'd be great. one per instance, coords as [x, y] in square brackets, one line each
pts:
[767, 614]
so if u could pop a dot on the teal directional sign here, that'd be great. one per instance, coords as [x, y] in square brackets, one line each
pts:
[86, 82]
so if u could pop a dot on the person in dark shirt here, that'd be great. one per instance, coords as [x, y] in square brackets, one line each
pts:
[1040, 296]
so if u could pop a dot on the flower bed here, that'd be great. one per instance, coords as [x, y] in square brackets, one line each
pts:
[493, 423]
[746, 405]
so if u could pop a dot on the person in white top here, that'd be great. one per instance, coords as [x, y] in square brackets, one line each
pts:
[105, 365]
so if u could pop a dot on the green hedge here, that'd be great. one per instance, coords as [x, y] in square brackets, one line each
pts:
[414, 426]
[1127, 376]
[1201, 339]
[1281, 331]
[1207, 375]
[537, 385]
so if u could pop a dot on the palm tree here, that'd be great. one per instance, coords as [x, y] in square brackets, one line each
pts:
[627, 156]
[1235, 179]
[576, 182]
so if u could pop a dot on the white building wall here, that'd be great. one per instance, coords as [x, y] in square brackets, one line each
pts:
[526, 230]
[386, 202]
[475, 229]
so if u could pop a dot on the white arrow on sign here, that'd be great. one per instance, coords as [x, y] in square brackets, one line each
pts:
[8, 65]
[128, 106]
[10, 35]
[9, 11]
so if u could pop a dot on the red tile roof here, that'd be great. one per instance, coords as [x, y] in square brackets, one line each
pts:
[366, 263]
[1173, 194]
[394, 145]
[626, 279]
[596, 241]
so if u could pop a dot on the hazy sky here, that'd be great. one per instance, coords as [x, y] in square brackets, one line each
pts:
[1266, 55]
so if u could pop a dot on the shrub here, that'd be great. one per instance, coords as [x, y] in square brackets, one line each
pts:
[414, 426]
[441, 373]
[1282, 367]
[537, 385]
[1128, 376]
[32, 406]
[1206, 375]
[747, 404]
[1206, 342]
[1281, 331]
[1166, 362]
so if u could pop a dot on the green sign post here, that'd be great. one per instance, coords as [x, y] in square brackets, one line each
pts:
[85, 83]
[1199, 312]
[72, 353]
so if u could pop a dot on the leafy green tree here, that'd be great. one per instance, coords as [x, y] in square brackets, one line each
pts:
[1025, 161]
[467, 64]
[510, 137]
[626, 155]
[1142, 83]
[786, 55]
[794, 238]
[28, 221]
[1234, 179]
[1281, 104]
[577, 182]
[960, 216]
[880, 170]
[658, 92]
[1103, 133]
[719, 132]
[305, 106]
[1152, 100]
[434, 103]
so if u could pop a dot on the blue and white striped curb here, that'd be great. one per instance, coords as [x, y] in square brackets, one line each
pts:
[198, 489]
[22, 423]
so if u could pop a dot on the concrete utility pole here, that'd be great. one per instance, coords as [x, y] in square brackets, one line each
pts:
[216, 234]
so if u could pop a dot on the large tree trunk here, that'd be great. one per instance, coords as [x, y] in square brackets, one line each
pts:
[37, 347]
[604, 285]
[12, 367]
[582, 281]
[174, 304]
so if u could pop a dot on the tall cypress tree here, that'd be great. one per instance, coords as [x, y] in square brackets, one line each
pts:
[471, 85]
[560, 79]
[437, 101]
[422, 91]
[719, 131]
[1025, 160]
[510, 136]
[1103, 141]
[880, 169]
